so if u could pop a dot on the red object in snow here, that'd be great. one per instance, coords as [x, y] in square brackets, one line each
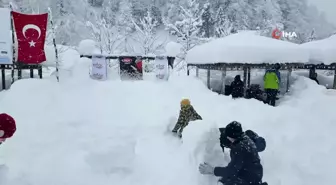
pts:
[31, 34]
[7, 125]
[139, 66]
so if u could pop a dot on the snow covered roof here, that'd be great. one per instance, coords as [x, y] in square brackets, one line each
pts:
[322, 51]
[247, 47]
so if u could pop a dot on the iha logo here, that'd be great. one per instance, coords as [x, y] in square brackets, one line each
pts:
[277, 34]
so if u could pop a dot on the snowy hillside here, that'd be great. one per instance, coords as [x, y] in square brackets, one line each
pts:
[84, 132]
[76, 20]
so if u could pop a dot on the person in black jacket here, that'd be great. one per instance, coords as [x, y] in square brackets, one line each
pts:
[237, 87]
[245, 167]
[259, 141]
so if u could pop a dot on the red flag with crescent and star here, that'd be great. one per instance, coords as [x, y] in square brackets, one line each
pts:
[30, 32]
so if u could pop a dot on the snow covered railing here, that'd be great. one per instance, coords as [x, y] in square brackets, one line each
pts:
[131, 66]
[5, 82]
[115, 57]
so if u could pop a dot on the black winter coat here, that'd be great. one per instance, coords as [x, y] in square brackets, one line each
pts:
[237, 87]
[245, 163]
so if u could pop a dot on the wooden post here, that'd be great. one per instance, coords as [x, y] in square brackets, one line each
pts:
[3, 76]
[223, 80]
[289, 73]
[19, 69]
[40, 71]
[31, 73]
[208, 77]
[13, 38]
[188, 72]
[249, 77]
[334, 85]
[245, 79]
[55, 46]
[197, 72]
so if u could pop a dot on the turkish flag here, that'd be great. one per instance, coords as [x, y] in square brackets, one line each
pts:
[31, 34]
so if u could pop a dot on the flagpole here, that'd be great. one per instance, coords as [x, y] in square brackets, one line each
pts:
[13, 38]
[55, 46]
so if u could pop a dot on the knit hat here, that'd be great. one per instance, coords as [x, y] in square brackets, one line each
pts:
[7, 125]
[185, 102]
[234, 130]
[222, 130]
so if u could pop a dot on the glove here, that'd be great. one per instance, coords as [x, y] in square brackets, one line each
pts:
[206, 169]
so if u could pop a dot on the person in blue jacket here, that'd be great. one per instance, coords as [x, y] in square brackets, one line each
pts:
[245, 167]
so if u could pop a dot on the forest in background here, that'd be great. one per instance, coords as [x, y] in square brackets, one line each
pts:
[113, 23]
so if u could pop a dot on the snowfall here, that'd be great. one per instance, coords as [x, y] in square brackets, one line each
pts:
[81, 132]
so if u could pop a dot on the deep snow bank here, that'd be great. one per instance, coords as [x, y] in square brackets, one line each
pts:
[299, 133]
[85, 132]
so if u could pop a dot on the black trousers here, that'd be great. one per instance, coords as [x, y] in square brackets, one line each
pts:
[271, 96]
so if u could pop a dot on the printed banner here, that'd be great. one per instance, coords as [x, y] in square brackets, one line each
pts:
[130, 68]
[161, 68]
[6, 40]
[99, 68]
[31, 33]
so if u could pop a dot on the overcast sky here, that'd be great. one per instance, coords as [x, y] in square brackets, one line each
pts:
[328, 7]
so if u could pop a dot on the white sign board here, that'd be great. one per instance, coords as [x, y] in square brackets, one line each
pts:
[161, 68]
[99, 68]
[6, 41]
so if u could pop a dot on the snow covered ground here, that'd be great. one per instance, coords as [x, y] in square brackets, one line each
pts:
[84, 132]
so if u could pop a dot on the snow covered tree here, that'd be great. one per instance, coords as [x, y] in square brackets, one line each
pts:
[156, 13]
[106, 35]
[110, 11]
[70, 16]
[312, 36]
[238, 14]
[124, 19]
[67, 21]
[147, 34]
[138, 9]
[173, 11]
[223, 26]
[207, 28]
[124, 25]
[188, 28]
[216, 4]
[96, 3]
